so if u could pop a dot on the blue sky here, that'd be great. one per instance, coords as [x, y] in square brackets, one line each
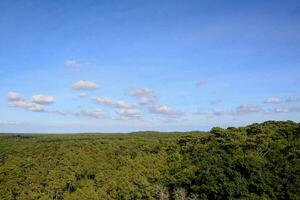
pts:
[109, 66]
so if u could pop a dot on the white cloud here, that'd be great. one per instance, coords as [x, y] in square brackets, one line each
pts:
[27, 105]
[73, 64]
[246, 109]
[145, 96]
[13, 96]
[127, 113]
[36, 105]
[42, 99]
[281, 110]
[111, 102]
[165, 110]
[124, 110]
[201, 82]
[273, 100]
[148, 98]
[85, 85]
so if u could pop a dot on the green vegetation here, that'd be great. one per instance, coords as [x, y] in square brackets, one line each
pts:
[259, 161]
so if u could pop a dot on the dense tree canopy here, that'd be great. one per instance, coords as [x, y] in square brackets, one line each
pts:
[259, 161]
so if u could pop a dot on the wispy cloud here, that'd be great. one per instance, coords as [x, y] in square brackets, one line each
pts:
[85, 85]
[281, 110]
[145, 96]
[273, 100]
[97, 113]
[215, 101]
[123, 109]
[219, 112]
[295, 109]
[111, 102]
[75, 65]
[166, 110]
[59, 112]
[7, 123]
[199, 111]
[82, 95]
[27, 105]
[148, 98]
[292, 99]
[42, 99]
[242, 109]
[201, 82]
[128, 113]
[247, 108]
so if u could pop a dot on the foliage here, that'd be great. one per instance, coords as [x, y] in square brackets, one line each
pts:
[259, 161]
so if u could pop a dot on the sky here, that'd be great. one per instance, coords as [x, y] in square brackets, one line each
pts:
[172, 65]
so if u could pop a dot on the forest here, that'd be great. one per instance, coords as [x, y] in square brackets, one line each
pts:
[258, 161]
